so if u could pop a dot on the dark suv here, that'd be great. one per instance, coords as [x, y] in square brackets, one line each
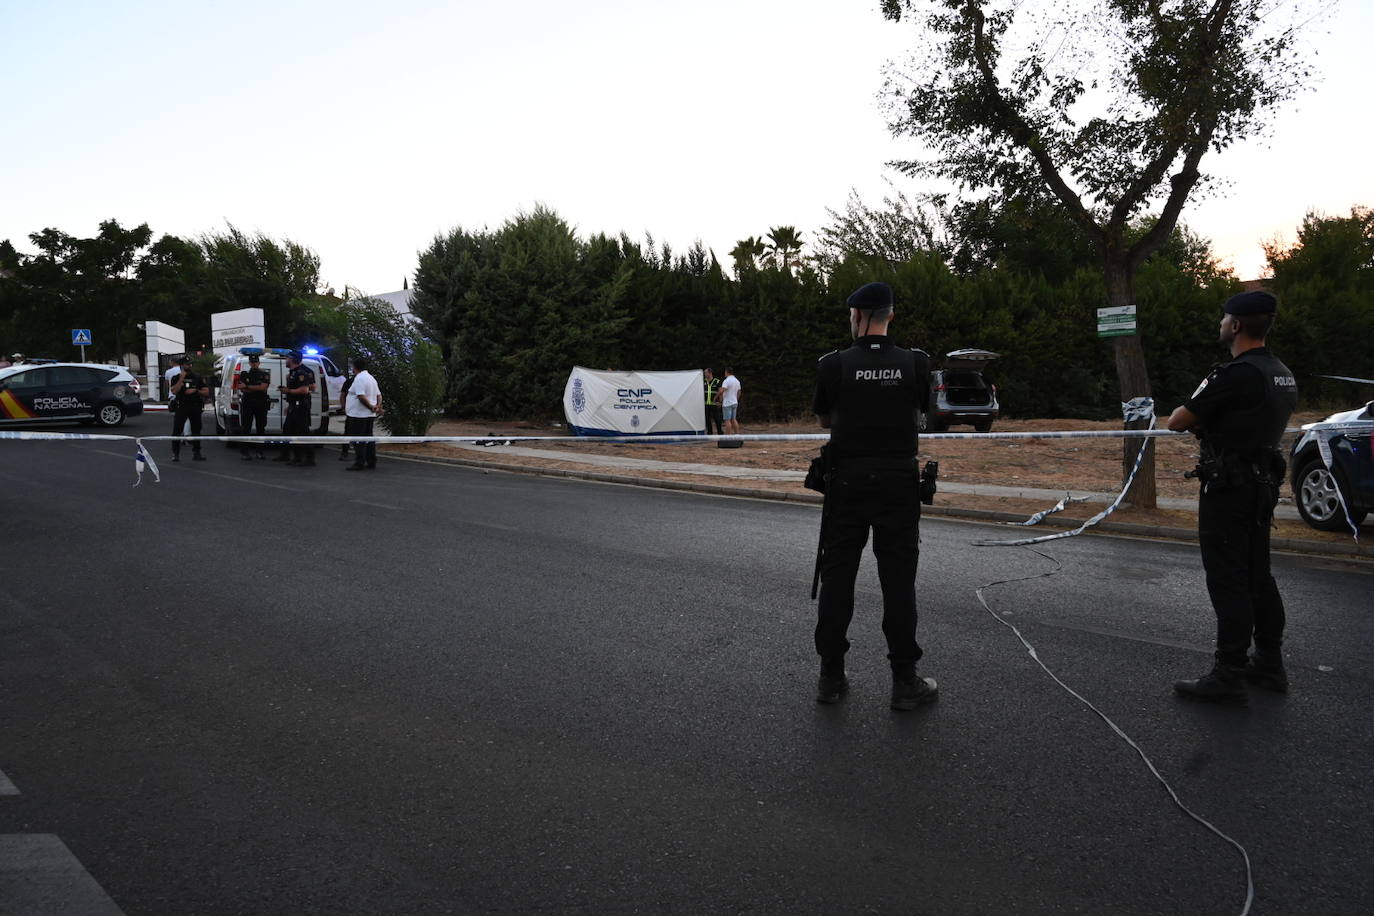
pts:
[68, 392]
[960, 394]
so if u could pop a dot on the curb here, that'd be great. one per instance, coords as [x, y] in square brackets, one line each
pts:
[1128, 529]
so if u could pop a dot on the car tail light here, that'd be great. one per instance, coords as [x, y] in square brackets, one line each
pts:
[133, 386]
[941, 387]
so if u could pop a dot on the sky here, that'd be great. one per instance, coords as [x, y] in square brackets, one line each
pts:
[364, 130]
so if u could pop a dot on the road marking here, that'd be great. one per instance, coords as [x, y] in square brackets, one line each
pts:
[39, 875]
[363, 502]
[274, 486]
[7, 787]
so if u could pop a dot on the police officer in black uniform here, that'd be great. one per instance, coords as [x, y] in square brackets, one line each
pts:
[253, 402]
[1239, 412]
[868, 397]
[190, 391]
[300, 382]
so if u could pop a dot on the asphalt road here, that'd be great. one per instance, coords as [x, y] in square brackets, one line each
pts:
[259, 689]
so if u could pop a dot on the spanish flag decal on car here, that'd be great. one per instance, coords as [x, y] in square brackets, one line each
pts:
[12, 409]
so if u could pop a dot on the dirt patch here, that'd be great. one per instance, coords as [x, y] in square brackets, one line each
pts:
[1055, 464]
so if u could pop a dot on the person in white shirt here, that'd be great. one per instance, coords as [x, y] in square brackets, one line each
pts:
[168, 378]
[729, 402]
[362, 407]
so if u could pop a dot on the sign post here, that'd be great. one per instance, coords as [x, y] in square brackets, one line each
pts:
[81, 337]
[1116, 322]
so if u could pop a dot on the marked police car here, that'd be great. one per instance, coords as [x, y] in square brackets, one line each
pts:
[55, 392]
[1352, 460]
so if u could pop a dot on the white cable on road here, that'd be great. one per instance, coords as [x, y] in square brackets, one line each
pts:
[1030, 650]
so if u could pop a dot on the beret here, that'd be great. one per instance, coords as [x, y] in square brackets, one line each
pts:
[1257, 302]
[871, 296]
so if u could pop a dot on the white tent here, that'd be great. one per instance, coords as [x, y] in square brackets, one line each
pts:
[630, 403]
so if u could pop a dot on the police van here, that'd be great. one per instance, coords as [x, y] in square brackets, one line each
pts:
[324, 402]
[68, 392]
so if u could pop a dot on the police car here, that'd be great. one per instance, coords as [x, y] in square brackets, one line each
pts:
[1352, 460]
[68, 393]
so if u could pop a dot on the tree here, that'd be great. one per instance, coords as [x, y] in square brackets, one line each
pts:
[1106, 115]
[784, 246]
[74, 282]
[746, 254]
[409, 368]
[1325, 284]
[894, 233]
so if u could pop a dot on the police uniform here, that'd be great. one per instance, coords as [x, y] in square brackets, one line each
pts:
[1243, 407]
[253, 405]
[871, 393]
[714, 414]
[189, 405]
[298, 413]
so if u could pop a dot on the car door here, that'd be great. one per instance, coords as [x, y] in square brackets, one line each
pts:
[73, 391]
[18, 393]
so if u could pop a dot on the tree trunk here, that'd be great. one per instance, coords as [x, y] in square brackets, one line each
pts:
[1135, 383]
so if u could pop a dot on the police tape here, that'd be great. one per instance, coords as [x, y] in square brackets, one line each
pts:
[1135, 410]
[1117, 729]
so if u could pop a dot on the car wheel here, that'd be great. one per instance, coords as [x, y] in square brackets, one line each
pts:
[1319, 505]
[983, 426]
[109, 415]
[939, 426]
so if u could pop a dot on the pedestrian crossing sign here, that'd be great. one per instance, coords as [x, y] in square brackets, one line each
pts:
[81, 337]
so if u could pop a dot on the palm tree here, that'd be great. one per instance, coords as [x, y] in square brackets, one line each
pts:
[785, 250]
[746, 254]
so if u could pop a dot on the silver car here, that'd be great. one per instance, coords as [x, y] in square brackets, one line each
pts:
[959, 393]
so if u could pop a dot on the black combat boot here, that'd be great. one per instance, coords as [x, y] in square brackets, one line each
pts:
[1224, 684]
[1265, 669]
[910, 691]
[832, 683]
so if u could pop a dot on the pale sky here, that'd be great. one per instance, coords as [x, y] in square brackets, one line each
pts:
[362, 130]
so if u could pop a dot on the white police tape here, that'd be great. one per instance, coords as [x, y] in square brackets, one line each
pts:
[1120, 733]
[1138, 409]
[1325, 433]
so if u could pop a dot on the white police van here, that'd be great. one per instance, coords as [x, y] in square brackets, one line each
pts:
[324, 403]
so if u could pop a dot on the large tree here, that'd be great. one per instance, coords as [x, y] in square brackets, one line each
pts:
[1107, 108]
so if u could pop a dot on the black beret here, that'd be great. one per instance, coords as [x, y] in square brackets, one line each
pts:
[871, 296]
[184, 359]
[1253, 303]
[296, 355]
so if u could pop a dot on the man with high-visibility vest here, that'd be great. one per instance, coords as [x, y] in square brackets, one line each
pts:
[714, 415]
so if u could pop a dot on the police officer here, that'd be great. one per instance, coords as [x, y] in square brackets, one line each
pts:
[714, 414]
[868, 397]
[190, 391]
[300, 382]
[1239, 412]
[253, 402]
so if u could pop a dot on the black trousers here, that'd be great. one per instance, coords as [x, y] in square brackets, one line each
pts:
[185, 412]
[253, 413]
[364, 453]
[298, 424]
[714, 420]
[888, 503]
[1233, 531]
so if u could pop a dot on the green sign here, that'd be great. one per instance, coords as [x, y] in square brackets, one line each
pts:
[1116, 322]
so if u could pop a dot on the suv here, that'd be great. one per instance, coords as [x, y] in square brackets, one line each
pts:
[1352, 460]
[68, 392]
[960, 394]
